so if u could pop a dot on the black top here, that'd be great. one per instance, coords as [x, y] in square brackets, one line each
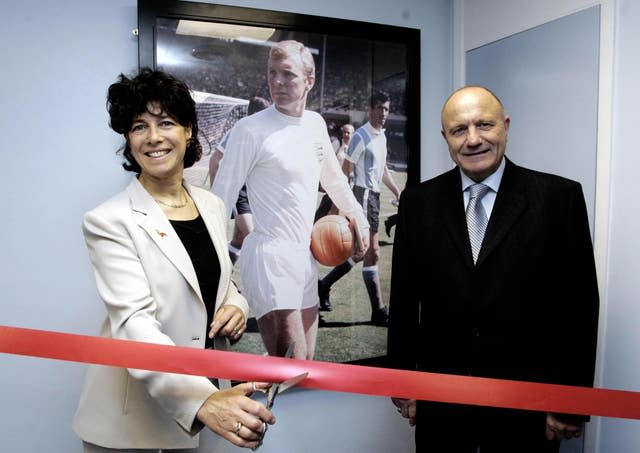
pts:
[196, 239]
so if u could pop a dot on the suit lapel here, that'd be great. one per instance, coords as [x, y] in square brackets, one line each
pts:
[510, 202]
[151, 219]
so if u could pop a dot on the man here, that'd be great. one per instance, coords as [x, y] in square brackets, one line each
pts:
[282, 153]
[366, 159]
[347, 132]
[517, 302]
[243, 224]
[326, 206]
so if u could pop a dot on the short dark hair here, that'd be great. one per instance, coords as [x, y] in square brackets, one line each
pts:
[379, 97]
[130, 97]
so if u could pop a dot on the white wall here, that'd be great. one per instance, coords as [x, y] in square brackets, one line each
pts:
[58, 160]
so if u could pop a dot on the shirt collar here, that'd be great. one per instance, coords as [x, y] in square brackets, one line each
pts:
[493, 180]
[372, 130]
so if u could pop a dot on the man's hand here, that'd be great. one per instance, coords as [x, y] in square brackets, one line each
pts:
[560, 430]
[406, 408]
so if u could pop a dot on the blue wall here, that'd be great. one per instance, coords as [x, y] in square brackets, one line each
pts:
[58, 160]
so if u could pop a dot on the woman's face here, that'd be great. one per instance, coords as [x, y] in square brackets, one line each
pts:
[158, 143]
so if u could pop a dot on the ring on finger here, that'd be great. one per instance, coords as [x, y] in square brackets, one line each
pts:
[238, 428]
[253, 386]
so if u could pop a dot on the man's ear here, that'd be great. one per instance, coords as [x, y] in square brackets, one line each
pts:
[507, 122]
[311, 80]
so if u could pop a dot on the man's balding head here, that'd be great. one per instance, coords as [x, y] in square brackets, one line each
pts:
[475, 128]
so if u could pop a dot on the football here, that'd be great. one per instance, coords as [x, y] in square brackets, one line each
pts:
[332, 240]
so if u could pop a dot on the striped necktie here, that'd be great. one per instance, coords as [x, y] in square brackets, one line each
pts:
[476, 217]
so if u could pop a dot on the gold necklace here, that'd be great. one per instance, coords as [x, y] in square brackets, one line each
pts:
[174, 206]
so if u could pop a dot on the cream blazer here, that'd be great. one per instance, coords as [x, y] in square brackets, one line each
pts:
[148, 284]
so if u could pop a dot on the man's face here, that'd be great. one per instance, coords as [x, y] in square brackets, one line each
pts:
[347, 132]
[288, 84]
[378, 114]
[475, 128]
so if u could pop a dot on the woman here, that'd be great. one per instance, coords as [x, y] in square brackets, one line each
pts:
[158, 251]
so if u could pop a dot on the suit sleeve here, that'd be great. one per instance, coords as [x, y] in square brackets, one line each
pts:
[404, 303]
[577, 323]
[123, 286]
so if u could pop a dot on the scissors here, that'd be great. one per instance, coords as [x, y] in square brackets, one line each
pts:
[276, 389]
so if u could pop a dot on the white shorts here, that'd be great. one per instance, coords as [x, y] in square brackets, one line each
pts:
[277, 274]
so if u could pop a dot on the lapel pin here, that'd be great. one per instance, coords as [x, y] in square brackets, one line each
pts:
[161, 234]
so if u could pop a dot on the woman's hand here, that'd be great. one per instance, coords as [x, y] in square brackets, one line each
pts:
[229, 321]
[236, 417]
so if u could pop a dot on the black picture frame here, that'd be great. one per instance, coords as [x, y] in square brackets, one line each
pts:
[382, 44]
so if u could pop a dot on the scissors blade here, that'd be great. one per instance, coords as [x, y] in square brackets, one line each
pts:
[276, 389]
[291, 382]
[271, 395]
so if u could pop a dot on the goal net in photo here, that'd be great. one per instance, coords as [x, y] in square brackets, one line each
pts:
[216, 115]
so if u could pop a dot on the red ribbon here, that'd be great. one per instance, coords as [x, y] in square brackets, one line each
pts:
[322, 375]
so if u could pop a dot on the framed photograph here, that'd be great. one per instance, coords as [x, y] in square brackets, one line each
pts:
[221, 53]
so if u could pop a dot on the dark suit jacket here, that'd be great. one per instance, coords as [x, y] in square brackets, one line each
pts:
[527, 311]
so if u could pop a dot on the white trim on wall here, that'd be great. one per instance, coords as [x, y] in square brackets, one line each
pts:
[603, 190]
